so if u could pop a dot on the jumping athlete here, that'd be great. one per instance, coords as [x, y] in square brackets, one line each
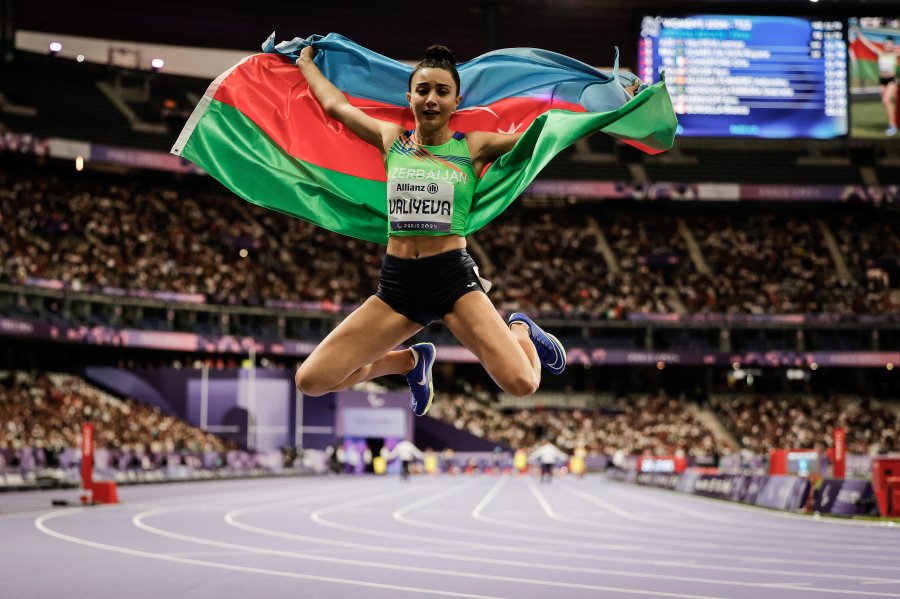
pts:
[888, 72]
[427, 274]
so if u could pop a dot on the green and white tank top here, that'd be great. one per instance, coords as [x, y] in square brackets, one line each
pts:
[430, 188]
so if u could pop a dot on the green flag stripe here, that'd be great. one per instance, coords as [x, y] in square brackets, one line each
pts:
[231, 148]
[648, 118]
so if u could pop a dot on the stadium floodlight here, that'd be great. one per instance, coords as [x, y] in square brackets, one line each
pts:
[80, 58]
[157, 63]
[55, 48]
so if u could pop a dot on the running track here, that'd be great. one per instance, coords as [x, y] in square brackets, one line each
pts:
[464, 536]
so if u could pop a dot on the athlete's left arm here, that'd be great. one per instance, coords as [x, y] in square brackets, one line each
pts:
[486, 147]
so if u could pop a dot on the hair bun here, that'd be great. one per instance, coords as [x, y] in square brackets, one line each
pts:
[438, 52]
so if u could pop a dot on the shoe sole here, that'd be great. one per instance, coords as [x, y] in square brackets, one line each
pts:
[430, 383]
[430, 400]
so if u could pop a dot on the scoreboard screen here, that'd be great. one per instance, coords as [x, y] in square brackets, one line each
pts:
[750, 76]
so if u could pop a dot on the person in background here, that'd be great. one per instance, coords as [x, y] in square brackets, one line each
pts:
[406, 452]
[431, 462]
[548, 454]
[520, 461]
[888, 70]
[578, 465]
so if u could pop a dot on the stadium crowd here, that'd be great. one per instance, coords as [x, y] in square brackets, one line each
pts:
[633, 425]
[186, 236]
[46, 410]
[765, 422]
[768, 263]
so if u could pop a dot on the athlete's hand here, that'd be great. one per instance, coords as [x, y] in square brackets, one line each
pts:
[631, 89]
[306, 54]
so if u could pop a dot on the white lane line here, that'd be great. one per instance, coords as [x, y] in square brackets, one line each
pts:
[17, 515]
[518, 525]
[761, 511]
[682, 510]
[477, 513]
[231, 520]
[765, 542]
[316, 516]
[782, 547]
[40, 523]
[138, 521]
[597, 501]
[483, 560]
[732, 507]
[745, 524]
[242, 496]
[880, 545]
[33, 513]
[741, 521]
[207, 553]
[518, 563]
[398, 513]
[788, 585]
[596, 546]
[488, 498]
[657, 550]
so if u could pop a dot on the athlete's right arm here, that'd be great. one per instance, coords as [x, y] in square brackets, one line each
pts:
[371, 130]
[866, 41]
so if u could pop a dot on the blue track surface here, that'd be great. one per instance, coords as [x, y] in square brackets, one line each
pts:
[447, 536]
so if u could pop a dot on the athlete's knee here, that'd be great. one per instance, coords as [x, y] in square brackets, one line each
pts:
[310, 384]
[521, 384]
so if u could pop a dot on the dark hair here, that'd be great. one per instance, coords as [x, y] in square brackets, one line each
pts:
[438, 57]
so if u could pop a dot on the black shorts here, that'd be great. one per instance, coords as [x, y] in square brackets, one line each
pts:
[425, 289]
[886, 80]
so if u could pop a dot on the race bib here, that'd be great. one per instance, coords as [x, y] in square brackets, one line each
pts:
[420, 205]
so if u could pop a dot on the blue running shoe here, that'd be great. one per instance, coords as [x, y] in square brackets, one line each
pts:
[549, 349]
[419, 378]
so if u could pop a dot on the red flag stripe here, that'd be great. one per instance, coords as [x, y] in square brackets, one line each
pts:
[272, 93]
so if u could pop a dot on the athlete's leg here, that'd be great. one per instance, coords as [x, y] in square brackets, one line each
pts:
[359, 349]
[889, 100]
[507, 354]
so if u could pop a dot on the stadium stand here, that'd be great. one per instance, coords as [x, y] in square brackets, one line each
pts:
[765, 422]
[92, 230]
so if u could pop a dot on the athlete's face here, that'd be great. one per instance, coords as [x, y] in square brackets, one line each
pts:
[433, 97]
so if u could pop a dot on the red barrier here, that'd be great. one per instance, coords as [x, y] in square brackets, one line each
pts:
[105, 492]
[893, 496]
[87, 460]
[883, 470]
[840, 452]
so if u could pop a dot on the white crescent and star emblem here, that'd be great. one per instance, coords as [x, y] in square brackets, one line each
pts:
[484, 108]
[513, 127]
